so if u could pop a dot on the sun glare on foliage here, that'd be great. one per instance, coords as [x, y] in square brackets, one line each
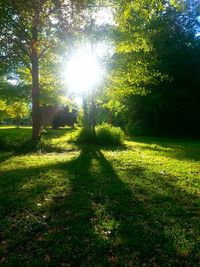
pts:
[83, 72]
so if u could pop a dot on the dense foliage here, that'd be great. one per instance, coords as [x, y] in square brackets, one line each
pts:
[154, 73]
[153, 66]
[107, 199]
[30, 36]
[104, 134]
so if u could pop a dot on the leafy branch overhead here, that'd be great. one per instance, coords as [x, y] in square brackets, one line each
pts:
[30, 32]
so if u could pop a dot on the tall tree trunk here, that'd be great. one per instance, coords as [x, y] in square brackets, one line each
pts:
[93, 122]
[35, 96]
[85, 112]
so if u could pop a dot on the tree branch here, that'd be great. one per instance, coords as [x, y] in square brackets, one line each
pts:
[23, 60]
[20, 46]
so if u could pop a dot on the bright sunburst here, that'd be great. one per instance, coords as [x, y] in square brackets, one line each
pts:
[83, 72]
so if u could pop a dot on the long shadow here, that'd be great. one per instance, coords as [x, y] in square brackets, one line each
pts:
[105, 223]
[5, 156]
[97, 219]
[15, 194]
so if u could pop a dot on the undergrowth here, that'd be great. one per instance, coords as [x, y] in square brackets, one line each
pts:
[104, 134]
[26, 144]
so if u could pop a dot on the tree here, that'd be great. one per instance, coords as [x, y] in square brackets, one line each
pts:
[2, 110]
[154, 71]
[29, 34]
[16, 111]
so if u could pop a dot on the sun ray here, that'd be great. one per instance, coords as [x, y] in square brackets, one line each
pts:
[83, 72]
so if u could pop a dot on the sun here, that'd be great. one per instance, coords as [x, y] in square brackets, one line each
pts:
[83, 72]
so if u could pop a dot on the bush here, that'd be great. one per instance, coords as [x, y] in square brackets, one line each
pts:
[109, 135]
[104, 134]
[26, 145]
[45, 145]
[22, 144]
[86, 136]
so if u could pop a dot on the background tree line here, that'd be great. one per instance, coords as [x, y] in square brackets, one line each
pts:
[154, 79]
[153, 73]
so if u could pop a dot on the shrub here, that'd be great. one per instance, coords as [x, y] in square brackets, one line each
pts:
[109, 135]
[21, 144]
[86, 136]
[105, 134]
[45, 145]
[26, 145]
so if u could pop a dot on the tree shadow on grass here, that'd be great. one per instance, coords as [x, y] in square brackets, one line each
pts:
[94, 218]
[5, 156]
[105, 223]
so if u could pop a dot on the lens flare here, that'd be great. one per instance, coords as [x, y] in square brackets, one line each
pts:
[83, 72]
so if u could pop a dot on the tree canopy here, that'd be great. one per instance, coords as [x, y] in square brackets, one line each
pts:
[154, 70]
[30, 33]
[152, 64]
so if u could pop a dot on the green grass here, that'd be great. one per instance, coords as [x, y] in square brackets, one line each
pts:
[132, 206]
[14, 132]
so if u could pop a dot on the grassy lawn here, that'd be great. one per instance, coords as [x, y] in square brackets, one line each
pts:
[90, 206]
[14, 132]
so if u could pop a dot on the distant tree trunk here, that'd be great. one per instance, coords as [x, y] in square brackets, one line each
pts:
[109, 117]
[35, 96]
[85, 112]
[17, 122]
[93, 122]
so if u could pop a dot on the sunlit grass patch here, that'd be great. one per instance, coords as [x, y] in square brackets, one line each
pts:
[94, 206]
